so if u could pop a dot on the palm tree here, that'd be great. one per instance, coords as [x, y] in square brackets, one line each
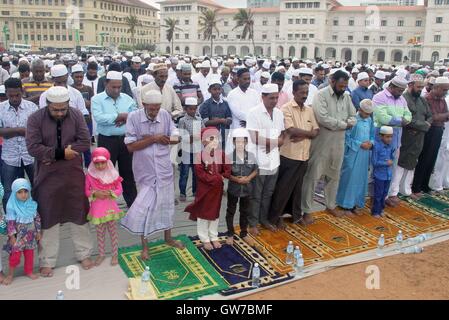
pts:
[244, 18]
[208, 25]
[170, 24]
[132, 23]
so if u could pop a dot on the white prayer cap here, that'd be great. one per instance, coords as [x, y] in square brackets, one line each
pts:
[266, 65]
[325, 66]
[279, 68]
[400, 82]
[147, 78]
[287, 61]
[5, 59]
[129, 54]
[214, 64]
[114, 75]
[265, 75]
[236, 60]
[270, 88]
[386, 130]
[214, 80]
[446, 74]
[295, 59]
[309, 61]
[402, 73]
[179, 66]
[205, 64]
[123, 59]
[167, 62]
[136, 60]
[306, 71]
[58, 94]
[366, 105]
[191, 101]
[362, 76]
[380, 75]
[77, 68]
[92, 59]
[442, 80]
[174, 60]
[198, 65]
[435, 73]
[250, 62]
[23, 59]
[240, 133]
[150, 67]
[415, 66]
[431, 80]
[358, 66]
[416, 78]
[2, 89]
[355, 70]
[146, 56]
[152, 97]
[295, 73]
[58, 70]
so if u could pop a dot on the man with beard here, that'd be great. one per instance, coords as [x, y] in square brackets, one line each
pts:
[91, 77]
[334, 113]
[170, 100]
[432, 140]
[56, 136]
[135, 68]
[412, 140]
[242, 99]
[33, 87]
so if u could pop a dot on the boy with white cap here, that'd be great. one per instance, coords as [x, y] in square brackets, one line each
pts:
[361, 92]
[352, 84]
[190, 128]
[379, 78]
[359, 140]
[382, 160]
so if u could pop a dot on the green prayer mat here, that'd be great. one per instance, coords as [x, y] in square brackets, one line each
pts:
[431, 204]
[175, 273]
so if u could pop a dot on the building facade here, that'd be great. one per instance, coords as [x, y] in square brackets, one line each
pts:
[324, 28]
[67, 23]
[262, 3]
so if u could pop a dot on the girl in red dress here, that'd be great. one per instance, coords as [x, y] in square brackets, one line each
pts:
[210, 171]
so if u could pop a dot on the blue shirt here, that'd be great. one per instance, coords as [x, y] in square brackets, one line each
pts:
[360, 94]
[105, 110]
[381, 154]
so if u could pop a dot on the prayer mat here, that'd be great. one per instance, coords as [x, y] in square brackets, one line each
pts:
[175, 273]
[331, 236]
[273, 246]
[134, 290]
[235, 264]
[430, 204]
[416, 220]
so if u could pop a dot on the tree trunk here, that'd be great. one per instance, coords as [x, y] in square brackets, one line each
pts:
[172, 46]
[211, 45]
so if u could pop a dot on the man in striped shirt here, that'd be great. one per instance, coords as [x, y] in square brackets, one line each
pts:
[33, 87]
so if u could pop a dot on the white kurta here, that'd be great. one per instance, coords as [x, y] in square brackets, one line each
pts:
[76, 100]
[440, 177]
[240, 103]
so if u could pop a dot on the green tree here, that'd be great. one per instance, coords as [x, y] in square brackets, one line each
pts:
[171, 26]
[245, 19]
[208, 26]
[132, 23]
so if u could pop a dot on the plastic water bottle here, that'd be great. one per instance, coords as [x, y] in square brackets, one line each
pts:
[289, 256]
[296, 254]
[414, 249]
[380, 245]
[299, 265]
[256, 276]
[60, 295]
[420, 238]
[144, 280]
[399, 241]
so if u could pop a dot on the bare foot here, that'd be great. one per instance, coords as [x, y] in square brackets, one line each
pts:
[46, 272]
[216, 244]
[254, 231]
[176, 244]
[382, 214]
[377, 216]
[230, 240]
[8, 280]
[99, 260]
[416, 196]
[87, 264]
[281, 225]
[391, 202]
[307, 219]
[33, 276]
[208, 246]
[335, 213]
[270, 227]
[145, 254]
[357, 211]
[114, 261]
[249, 241]
[348, 213]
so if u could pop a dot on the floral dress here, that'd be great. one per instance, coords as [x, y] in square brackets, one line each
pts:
[25, 235]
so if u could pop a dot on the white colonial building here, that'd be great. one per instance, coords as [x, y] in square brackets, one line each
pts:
[321, 28]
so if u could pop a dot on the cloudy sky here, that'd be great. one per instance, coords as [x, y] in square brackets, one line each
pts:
[242, 3]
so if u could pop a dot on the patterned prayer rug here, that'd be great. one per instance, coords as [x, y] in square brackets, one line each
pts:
[175, 274]
[430, 204]
[415, 219]
[235, 264]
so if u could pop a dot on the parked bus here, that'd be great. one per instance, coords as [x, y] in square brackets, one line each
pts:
[92, 49]
[18, 47]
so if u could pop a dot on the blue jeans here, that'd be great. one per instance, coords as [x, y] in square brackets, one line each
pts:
[184, 176]
[11, 173]
[381, 188]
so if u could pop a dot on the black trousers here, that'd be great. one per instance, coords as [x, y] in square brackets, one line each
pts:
[427, 159]
[287, 195]
[245, 211]
[119, 152]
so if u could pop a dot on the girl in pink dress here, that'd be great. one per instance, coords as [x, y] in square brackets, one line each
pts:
[103, 187]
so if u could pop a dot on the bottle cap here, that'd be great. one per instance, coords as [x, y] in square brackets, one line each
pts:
[382, 235]
[290, 242]
[256, 264]
[400, 231]
[297, 247]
